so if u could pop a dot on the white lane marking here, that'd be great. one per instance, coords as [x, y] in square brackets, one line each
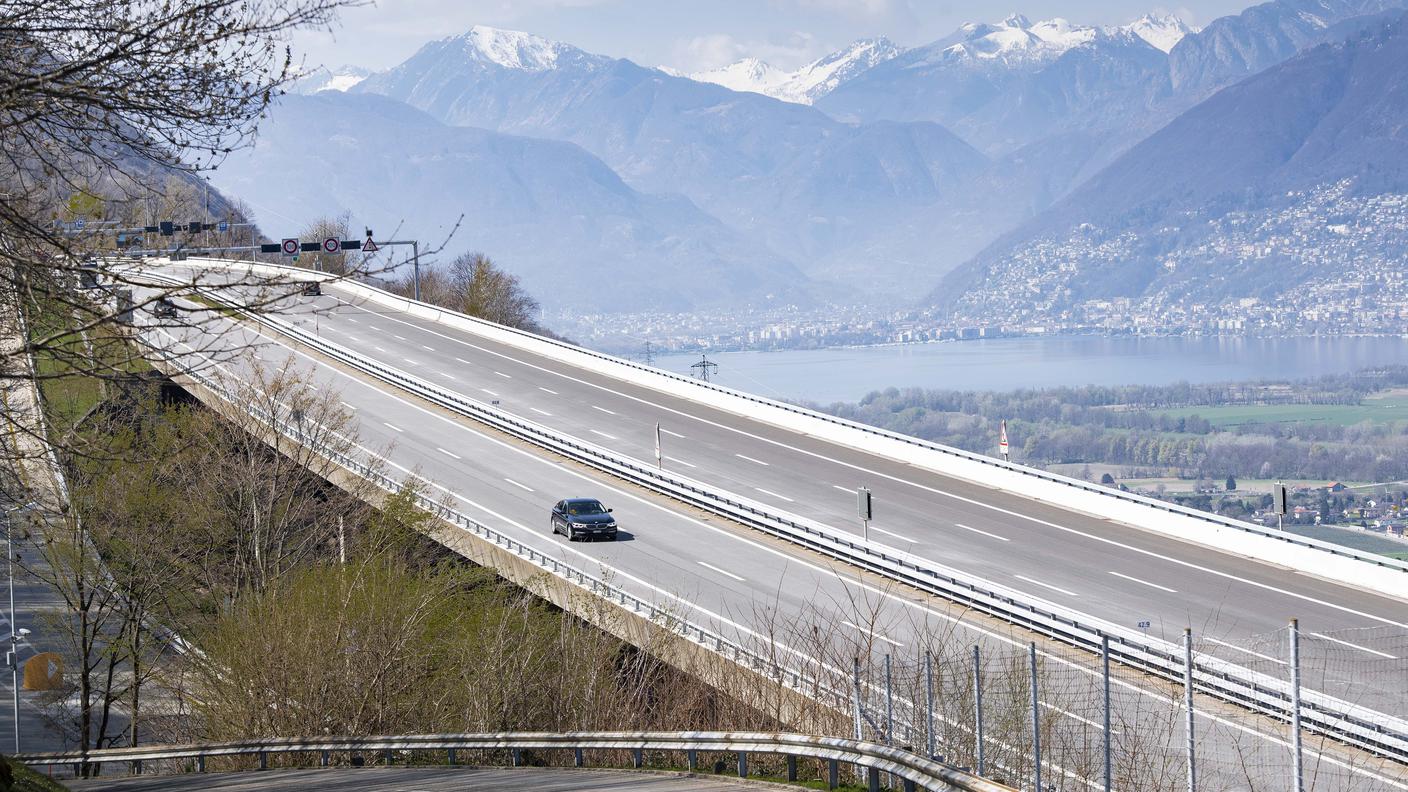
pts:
[410, 362]
[981, 531]
[466, 362]
[663, 430]
[1355, 646]
[350, 319]
[843, 489]
[505, 376]
[392, 426]
[348, 406]
[878, 591]
[520, 486]
[1047, 585]
[681, 462]
[751, 459]
[1144, 582]
[491, 393]
[374, 327]
[603, 434]
[603, 409]
[426, 348]
[398, 337]
[1076, 717]
[871, 632]
[310, 386]
[449, 454]
[1246, 651]
[860, 468]
[353, 338]
[377, 348]
[547, 390]
[901, 537]
[720, 571]
[774, 494]
[541, 412]
[447, 376]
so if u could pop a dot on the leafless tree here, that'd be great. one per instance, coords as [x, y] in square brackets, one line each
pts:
[109, 111]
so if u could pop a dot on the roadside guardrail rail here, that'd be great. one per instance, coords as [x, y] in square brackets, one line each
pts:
[914, 771]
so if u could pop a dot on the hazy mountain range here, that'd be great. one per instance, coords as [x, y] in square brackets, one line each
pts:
[866, 175]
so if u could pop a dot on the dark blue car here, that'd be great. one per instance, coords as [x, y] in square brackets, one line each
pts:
[583, 518]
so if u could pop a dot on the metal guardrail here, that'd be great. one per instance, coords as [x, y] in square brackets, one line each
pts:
[1347, 722]
[1172, 508]
[915, 771]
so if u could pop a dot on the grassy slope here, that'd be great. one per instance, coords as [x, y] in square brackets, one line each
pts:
[1385, 407]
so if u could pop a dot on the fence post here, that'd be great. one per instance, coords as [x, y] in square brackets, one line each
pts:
[1036, 718]
[929, 702]
[578, 760]
[742, 764]
[1105, 724]
[200, 763]
[978, 708]
[1188, 705]
[450, 757]
[324, 759]
[1298, 759]
[791, 767]
[856, 709]
[833, 773]
[515, 757]
[637, 758]
[872, 779]
[691, 758]
[889, 704]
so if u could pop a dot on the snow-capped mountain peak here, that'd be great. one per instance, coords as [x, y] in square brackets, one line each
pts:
[807, 84]
[323, 78]
[749, 74]
[512, 49]
[1160, 30]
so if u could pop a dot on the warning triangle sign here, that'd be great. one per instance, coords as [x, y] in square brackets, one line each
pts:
[369, 246]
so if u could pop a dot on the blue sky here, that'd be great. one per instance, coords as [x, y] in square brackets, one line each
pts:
[697, 34]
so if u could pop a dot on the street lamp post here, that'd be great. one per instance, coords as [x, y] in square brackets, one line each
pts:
[15, 633]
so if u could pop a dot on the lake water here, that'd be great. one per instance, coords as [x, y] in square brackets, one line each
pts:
[828, 375]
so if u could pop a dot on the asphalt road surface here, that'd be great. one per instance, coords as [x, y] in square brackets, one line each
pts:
[428, 779]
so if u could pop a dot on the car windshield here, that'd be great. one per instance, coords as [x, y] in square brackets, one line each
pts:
[580, 508]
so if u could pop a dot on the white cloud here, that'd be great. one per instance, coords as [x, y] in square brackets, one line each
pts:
[706, 52]
[714, 50]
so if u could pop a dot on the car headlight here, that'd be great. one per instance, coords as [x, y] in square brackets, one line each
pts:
[611, 524]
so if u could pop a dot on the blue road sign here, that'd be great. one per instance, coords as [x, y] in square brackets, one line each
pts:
[224, 226]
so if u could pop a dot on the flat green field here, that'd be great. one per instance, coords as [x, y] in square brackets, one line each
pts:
[1382, 408]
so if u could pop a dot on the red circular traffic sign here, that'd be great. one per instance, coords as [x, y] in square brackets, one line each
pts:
[290, 247]
[332, 245]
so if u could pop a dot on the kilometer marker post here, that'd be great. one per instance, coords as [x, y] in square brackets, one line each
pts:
[659, 460]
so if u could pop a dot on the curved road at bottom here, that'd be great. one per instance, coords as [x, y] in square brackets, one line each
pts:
[423, 779]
